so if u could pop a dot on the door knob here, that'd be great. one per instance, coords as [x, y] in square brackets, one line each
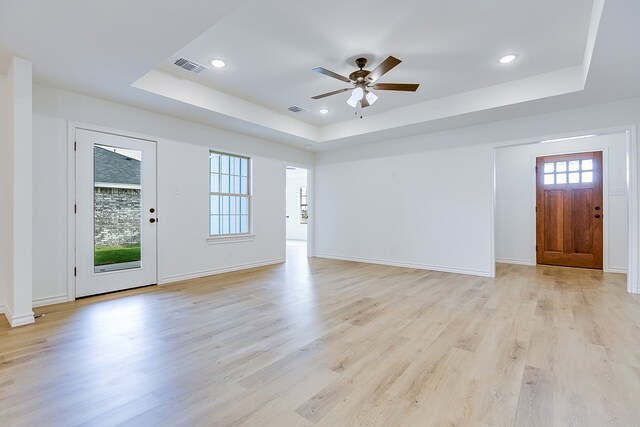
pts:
[152, 220]
[597, 208]
[597, 215]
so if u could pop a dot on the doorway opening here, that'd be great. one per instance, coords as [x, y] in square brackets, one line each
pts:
[518, 233]
[297, 213]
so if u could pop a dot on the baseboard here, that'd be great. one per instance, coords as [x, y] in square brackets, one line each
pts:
[21, 320]
[515, 261]
[527, 262]
[443, 269]
[40, 302]
[180, 277]
[616, 270]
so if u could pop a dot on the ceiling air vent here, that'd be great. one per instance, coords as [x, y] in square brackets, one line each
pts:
[194, 67]
[296, 109]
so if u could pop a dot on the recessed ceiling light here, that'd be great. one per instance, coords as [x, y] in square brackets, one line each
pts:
[324, 111]
[218, 63]
[508, 58]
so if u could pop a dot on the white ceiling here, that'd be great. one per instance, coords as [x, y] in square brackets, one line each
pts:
[448, 47]
[570, 55]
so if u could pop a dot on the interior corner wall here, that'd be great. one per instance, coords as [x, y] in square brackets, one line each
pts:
[426, 201]
[183, 151]
[5, 179]
[295, 179]
[516, 199]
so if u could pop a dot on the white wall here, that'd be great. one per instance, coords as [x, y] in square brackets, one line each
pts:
[515, 198]
[427, 210]
[182, 190]
[5, 171]
[296, 178]
[426, 200]
[422, 201]
[183, 250]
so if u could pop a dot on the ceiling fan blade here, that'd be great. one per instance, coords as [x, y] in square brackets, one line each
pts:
[335, 92]
[331, 74]
[364, 102]
[405, 87]
[384, 68]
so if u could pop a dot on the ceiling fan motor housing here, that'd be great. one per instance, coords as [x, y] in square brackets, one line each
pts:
[360, 75]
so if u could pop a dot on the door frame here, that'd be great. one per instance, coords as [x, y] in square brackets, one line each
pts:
[72, 126]
[310, 206]
[630, 131]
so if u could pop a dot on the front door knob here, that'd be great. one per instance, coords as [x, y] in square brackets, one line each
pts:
[152, 220]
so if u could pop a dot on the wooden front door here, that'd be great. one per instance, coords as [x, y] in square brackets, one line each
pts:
[569, 210]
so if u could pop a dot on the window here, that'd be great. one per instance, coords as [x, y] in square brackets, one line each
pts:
[303, 205]
[229, 198]
[570, 171]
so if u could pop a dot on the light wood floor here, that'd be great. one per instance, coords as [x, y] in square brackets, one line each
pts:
[333, 343]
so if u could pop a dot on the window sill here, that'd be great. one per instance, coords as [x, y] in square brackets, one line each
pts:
[234, 238]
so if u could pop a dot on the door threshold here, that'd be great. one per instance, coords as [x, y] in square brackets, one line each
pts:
[116, 292]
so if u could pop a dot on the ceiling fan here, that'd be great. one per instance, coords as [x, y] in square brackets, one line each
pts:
[364, 80]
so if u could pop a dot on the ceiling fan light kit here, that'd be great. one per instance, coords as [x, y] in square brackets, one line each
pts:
[363, 82]
[356, 96]
[371, 97]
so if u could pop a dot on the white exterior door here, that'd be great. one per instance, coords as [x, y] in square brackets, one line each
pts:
[115, 212]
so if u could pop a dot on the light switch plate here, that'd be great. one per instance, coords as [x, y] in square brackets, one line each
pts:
[617, 191]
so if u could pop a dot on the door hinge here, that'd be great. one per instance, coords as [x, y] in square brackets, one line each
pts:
[75, 209]
[536, 248]
[536, 167]
[75, 145]
[75, 271]
[536, 209]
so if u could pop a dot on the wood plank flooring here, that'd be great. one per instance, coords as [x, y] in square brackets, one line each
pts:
[331, 343]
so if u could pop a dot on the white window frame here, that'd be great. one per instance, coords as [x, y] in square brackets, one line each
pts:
[232, 237]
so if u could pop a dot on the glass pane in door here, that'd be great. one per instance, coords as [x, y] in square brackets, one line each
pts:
[117, 210]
